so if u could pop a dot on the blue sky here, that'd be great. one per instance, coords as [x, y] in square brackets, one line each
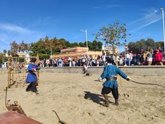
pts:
[29, 20]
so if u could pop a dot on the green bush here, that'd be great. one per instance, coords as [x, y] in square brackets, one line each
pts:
[44, 56]
[20, 59]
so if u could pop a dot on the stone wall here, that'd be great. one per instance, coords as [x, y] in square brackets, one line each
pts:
[132, 70]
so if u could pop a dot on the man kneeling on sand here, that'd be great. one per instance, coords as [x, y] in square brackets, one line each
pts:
[110, 73]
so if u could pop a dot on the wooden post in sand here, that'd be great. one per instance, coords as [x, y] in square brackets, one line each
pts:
[10, 72]
[37, 60]
[16, 72]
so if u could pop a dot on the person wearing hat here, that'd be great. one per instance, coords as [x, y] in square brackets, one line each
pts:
[110, 73]
[32, 78]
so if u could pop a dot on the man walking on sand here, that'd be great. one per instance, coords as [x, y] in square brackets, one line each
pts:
[32, 78]
[110, 73]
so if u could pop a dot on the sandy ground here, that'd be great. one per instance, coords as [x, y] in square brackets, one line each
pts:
[77, 100]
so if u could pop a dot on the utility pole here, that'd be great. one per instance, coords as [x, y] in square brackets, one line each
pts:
[51, 56]
[86, 37]
[163, 27]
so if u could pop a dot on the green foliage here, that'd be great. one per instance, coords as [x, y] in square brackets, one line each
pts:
[45, 46]
[21, 59]
[5, 59]
[81, 44]
[43, 56]
[1, 58]
[95, 45]
[143, 44]
[15, 47]
[114, 34]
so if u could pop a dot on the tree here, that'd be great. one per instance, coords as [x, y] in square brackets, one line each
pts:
[1, 58]
[82, 44]
[23, 46]
[4, 51]
[138, 46]
[97, 45]
[39, 47]
[160, 44]
[14, 48]
[113, 35]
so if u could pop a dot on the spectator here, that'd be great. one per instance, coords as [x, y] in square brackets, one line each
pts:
[158, 58]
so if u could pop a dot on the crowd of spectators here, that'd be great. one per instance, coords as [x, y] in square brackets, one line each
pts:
[147, 57]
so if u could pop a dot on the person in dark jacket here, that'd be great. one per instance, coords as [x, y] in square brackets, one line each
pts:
[110, 73]
[32, 78]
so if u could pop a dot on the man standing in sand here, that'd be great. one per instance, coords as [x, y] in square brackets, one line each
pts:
[110, 73]
[32, 77]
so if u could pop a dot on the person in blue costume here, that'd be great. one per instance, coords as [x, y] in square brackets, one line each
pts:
[110, 73]
[32, 78]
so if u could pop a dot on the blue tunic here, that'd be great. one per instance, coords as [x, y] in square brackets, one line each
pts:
[109, 72]
[31, 77]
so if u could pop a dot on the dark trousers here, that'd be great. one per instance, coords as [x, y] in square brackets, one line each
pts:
[107, 90]
[32, 87]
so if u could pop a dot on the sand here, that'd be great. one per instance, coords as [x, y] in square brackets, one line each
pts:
[77, 100]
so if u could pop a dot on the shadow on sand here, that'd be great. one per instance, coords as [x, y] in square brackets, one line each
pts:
[97, 98]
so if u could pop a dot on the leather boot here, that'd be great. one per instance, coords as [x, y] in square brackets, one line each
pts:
[106, 100]
[116, 102]
[106, 103]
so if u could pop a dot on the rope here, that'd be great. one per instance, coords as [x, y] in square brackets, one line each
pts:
[147, 83]
[6, 96]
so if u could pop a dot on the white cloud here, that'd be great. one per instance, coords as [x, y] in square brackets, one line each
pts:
[149, 17]
[2, 38]
[106, 6]
[14, 28]
[10, 32]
